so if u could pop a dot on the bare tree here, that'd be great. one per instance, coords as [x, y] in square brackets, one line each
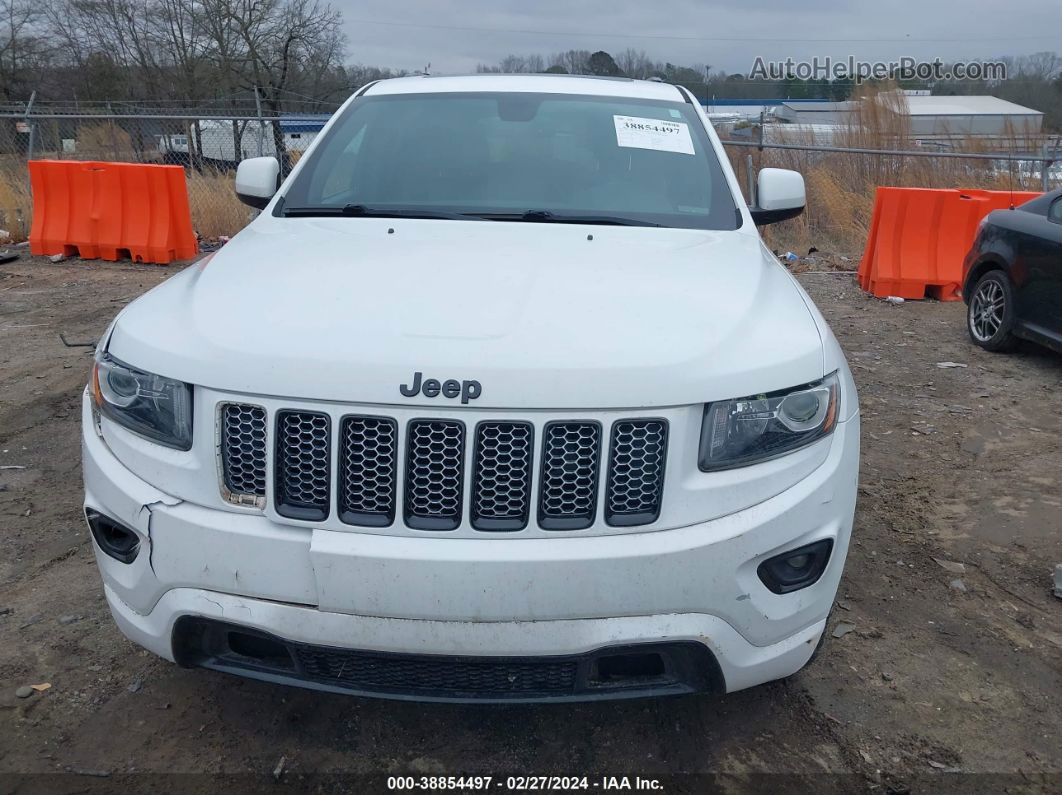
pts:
[179, 35]
[22, 47]
[515, 64]
[118, 31]
[635, 63]
[292, 53]
[1044, 66]
[574, 62]
[277, 38]
[535, 63]
[357, 75]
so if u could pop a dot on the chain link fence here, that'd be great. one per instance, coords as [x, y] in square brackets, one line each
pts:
[840, 179]
[208, 148]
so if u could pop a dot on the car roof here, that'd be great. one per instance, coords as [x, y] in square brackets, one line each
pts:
[1040, 204]
[547, 84]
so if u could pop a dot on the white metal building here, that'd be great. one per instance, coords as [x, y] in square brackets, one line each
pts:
[805, 134]
[817, 112]
[970, 115]
[217, 143]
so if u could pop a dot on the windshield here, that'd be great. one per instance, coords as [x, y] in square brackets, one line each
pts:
[517, 156]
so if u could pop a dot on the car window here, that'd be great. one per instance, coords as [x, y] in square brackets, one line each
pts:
[337, 182]
[484, 153]
[1054, 212]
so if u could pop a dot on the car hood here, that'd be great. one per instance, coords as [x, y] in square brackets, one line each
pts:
[541, 315]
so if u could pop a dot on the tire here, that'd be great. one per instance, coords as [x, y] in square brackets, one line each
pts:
[990, 313]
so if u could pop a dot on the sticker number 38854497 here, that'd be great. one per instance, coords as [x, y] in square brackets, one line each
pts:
[664, 136]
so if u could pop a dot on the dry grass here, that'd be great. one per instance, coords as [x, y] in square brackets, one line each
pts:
[104, 141]
[215, 209]
[840, 192]
[16, 203]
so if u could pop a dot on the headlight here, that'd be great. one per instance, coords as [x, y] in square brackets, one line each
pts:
[150, 405]
[752, 429]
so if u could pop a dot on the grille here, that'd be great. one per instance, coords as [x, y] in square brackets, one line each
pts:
[368, 465]
[571, 452]
[501, 483]
[636, 472]
[502, 458]
[303, 470]
[243, 452]
[434, 474]
[428, 675]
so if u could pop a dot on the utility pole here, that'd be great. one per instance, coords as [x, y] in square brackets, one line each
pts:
[32, 126]
[1045, 166]
[261, 122]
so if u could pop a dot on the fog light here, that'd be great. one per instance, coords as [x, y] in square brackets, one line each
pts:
[115, 539]
[796, 568]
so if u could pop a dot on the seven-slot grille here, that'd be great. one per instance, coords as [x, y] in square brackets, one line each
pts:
[368, 464]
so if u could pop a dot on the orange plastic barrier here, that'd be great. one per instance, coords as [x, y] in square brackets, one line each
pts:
[110, 210]
[919, 238]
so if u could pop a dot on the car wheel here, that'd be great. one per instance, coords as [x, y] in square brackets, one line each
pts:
[990, 314]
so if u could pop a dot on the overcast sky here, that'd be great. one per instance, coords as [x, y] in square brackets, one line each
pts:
[455, 35]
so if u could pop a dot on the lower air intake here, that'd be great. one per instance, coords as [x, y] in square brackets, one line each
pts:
[436, 675]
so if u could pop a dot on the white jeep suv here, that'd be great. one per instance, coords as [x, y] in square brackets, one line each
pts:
[500, 397]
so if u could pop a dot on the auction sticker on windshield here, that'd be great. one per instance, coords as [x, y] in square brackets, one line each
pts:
[664, 136]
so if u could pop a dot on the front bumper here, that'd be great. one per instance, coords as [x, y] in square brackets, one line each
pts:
[732, 663]
[481, 598]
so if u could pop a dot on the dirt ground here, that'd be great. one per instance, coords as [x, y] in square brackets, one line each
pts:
[944, 678]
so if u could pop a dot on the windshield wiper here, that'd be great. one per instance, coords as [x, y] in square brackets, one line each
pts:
[534, 216]
[363, 211]
[548, 217]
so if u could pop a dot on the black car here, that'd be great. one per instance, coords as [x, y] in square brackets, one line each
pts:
[1012, 281]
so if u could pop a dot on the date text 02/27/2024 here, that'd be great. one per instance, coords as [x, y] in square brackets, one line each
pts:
[523, 783]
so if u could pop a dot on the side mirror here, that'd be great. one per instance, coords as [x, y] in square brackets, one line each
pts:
[779, 195]
[257, 179]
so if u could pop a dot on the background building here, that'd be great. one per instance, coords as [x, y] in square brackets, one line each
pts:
[817, 112]
[970, 115]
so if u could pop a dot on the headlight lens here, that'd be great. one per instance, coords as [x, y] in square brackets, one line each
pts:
[753, 429]
[150, 405]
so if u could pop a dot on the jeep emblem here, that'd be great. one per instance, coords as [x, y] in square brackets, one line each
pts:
[468, 390]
